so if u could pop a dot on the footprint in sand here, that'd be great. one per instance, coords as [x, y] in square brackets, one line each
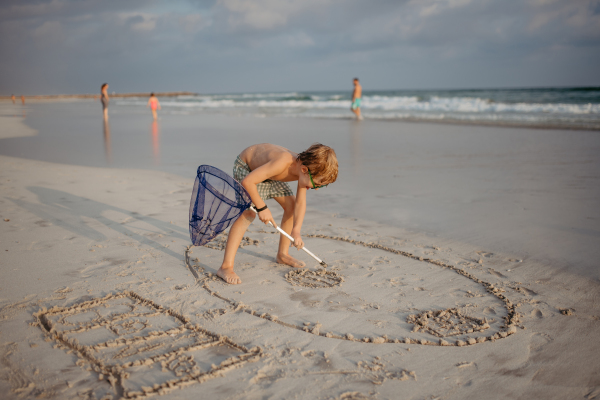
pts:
[537, 313]
[496, 273]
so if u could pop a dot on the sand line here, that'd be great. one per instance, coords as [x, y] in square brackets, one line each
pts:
[511, 320]
[117, 373]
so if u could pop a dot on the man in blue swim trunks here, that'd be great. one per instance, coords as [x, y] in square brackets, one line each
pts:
[356, 96]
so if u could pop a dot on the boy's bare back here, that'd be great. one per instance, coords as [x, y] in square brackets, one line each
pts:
[270, 161]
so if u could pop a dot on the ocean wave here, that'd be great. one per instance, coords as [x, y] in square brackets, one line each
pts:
[383, 103]
[564, 107]
[475, 105]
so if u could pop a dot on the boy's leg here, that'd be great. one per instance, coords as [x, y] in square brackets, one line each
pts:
[236, 233]
[288, 204]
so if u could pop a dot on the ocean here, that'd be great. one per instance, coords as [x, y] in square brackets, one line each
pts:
[564, 108]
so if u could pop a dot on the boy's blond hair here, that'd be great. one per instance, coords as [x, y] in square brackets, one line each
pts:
[322, 162]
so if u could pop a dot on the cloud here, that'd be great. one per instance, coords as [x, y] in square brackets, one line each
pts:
[49, 33]
[261, 14]
[237, 45]
[193, 23]
[139, 22]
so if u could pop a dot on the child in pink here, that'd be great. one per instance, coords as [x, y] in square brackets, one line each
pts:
[153, 104]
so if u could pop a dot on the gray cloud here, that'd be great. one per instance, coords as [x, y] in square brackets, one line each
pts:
[65, 46]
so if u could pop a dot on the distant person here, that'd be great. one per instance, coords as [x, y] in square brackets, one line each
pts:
[104, 99]
[12, 97]
[23, 99]
[356, 99]
[153, 104]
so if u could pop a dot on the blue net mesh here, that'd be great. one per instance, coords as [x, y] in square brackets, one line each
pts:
[217, 202]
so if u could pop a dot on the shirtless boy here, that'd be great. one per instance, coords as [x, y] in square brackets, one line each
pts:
[264, 170]
[356, 99]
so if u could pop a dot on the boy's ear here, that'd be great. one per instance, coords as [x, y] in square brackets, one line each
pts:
[304, 169]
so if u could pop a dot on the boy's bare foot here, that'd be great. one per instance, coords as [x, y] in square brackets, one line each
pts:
[289, 260]
[228, 276]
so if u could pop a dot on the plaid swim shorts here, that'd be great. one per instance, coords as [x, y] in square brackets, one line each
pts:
[267, 189]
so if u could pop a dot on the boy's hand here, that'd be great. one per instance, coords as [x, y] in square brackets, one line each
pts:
[298, 243]
[266, 217]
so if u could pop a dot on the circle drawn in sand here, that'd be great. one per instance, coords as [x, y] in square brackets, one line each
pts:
[502, 328]
[443, 323]
[314, 279]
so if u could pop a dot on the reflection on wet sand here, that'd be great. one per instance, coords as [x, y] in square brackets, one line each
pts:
[356, 146]
[155, 142]
[107, 148]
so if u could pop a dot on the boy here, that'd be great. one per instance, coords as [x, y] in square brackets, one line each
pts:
[264, 170]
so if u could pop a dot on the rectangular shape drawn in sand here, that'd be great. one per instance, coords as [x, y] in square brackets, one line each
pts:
[140, 347]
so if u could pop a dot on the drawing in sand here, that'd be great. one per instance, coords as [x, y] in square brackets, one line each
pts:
[445, 325]
[123, 337]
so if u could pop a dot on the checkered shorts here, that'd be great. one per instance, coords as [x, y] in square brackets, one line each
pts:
[267, 189]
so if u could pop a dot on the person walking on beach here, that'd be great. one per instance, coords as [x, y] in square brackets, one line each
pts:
[265, 170]
[12, 97]
[153, 104]
[22, 99]
[104, 99]
[356, 99]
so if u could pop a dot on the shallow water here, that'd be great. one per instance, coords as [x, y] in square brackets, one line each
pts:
[528, 192]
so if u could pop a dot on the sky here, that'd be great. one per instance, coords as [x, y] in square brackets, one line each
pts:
[233, 46]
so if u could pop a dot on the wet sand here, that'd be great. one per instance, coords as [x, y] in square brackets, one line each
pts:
[439, 287]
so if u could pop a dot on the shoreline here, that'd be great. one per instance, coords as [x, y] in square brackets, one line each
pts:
[92, 96]
[267, 112]
[473, 123]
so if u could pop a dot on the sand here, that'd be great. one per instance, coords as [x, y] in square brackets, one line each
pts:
[12, 122]
[102, 297]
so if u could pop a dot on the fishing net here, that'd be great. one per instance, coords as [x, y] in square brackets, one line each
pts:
[217, 202]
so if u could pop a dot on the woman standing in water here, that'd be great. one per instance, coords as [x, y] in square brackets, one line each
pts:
[104, 99]
[153, 104]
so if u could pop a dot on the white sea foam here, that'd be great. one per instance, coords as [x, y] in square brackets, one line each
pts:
[412, 103]
[429, 106]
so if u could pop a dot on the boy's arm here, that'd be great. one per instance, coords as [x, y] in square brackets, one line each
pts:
[299, 212]
[260, 174]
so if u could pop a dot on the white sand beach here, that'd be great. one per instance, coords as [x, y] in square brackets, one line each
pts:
[462, 264]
